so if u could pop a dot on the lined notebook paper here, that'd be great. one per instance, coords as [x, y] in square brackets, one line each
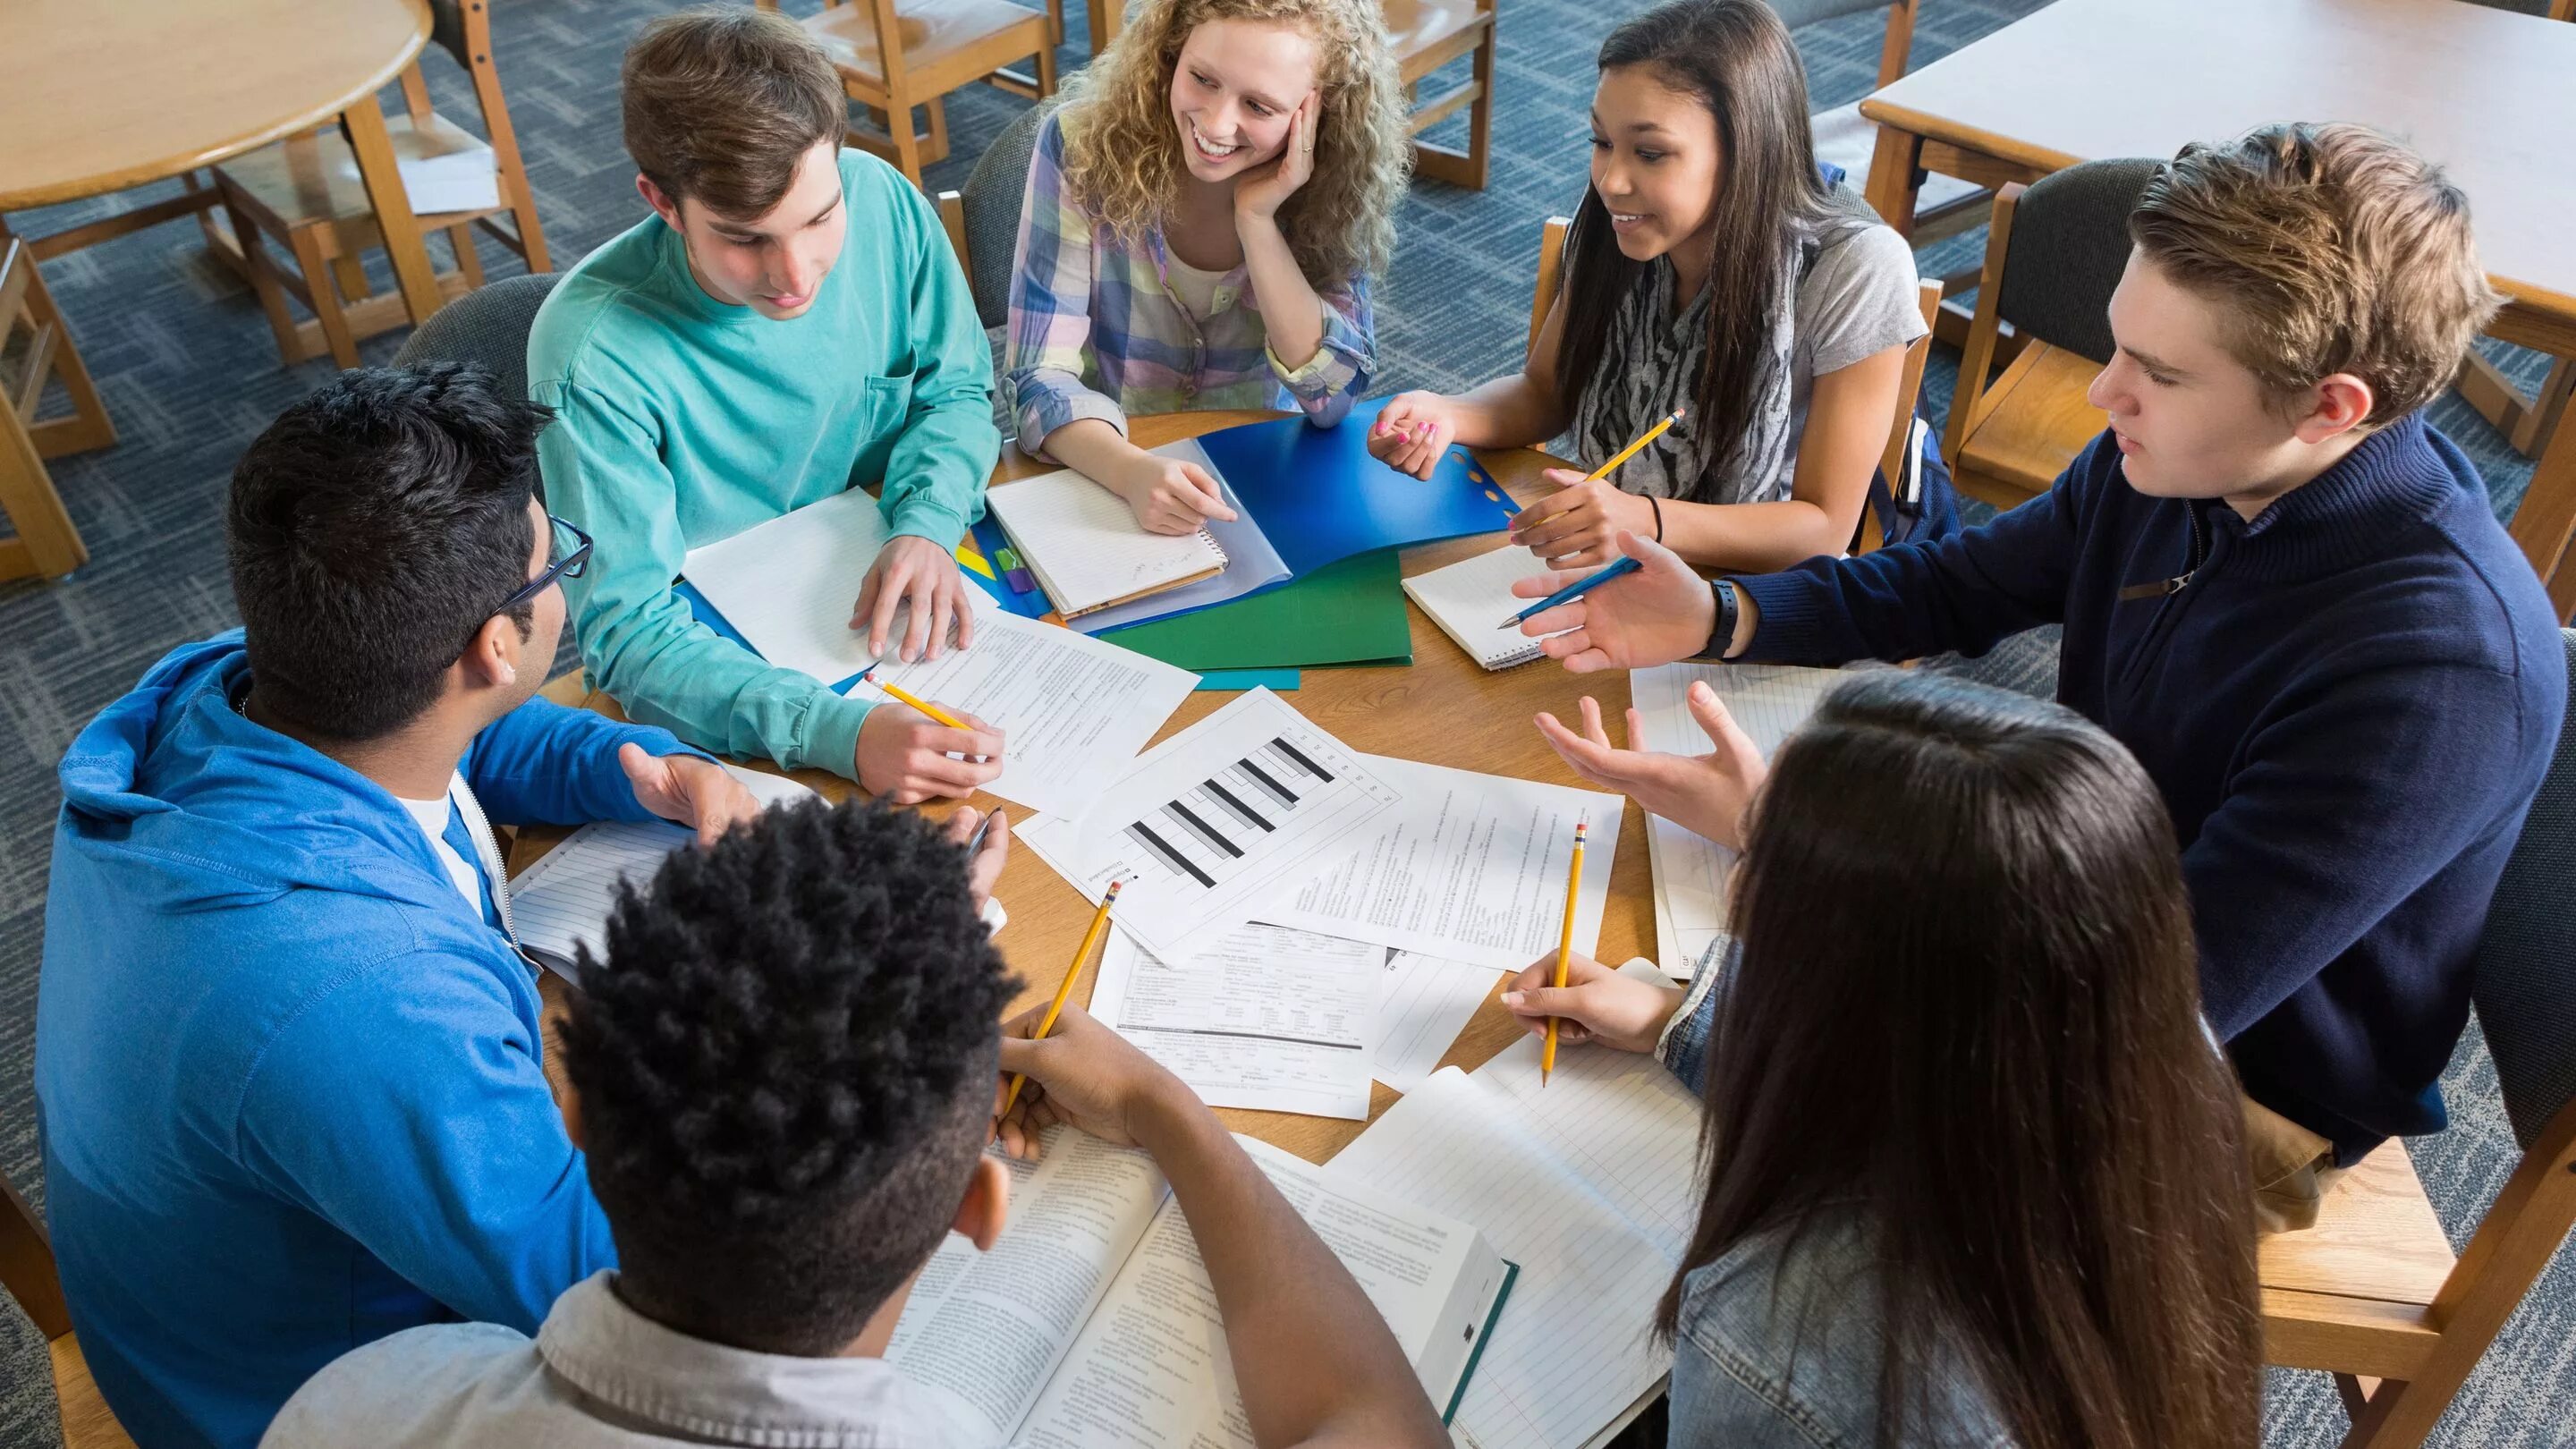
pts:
[1691, 871]
[789, 585]
[1465, 599]
[1590, 1186]
[1087, 549]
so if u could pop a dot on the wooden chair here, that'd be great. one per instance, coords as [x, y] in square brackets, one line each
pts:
[305, 194]
[2370, 1294]
[2545, 522]
[1428, 34]
[46, 546]
[27, 1270]
[2054, 252]
[893, 57]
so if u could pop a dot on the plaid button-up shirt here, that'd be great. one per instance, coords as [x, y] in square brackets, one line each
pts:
[1097, 332]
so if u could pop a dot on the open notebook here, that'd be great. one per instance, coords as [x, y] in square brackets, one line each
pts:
[1590, 1187]
[1082, 542]
[1465, 599]
[1092, 1325]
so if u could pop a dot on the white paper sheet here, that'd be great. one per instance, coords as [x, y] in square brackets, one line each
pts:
[1590, 1187]
[1075, 710]
[1272, 1019]
[1691, 871]
[788, 585]
[1423, 1003]
[1210, 826]
[561, 901]
[1472, 869]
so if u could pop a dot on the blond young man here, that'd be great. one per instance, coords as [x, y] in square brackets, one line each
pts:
[790, 323]
[2280, 588]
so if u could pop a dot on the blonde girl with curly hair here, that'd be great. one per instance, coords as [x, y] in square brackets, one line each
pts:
[1203, 215]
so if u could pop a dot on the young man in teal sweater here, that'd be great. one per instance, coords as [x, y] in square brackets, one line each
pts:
[790, 323]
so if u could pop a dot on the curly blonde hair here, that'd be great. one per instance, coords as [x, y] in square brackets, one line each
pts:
[1122, 153]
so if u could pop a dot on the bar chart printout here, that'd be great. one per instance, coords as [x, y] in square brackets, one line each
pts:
[1219, 819]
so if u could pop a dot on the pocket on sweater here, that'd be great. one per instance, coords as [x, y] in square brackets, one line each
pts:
[883, 404]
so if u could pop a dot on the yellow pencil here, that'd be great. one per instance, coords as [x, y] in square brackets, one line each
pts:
[1564, 943]
[1064, 993]
[1630, 451]
[903, 696]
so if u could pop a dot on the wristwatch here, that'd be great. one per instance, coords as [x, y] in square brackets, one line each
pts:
[1722, 638]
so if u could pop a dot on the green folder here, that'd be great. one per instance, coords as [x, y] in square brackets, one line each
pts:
[1351, 612]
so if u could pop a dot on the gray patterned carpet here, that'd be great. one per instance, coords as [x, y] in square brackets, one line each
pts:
[185, 361]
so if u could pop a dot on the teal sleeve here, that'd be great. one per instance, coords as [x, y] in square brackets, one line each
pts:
[639, 641]
[935, 477]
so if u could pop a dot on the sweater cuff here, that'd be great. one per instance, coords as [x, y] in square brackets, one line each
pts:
[1790, 619]
[830, 739]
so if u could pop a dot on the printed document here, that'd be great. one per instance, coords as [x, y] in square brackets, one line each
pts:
[1272, 1019]
[1472, 869]
[1075, 710]
[1209, 826]
[1423, 1003]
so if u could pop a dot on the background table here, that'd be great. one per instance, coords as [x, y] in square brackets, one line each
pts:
[101, 95]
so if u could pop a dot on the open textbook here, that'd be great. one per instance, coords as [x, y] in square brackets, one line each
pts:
[1691, 871]
[1589, 1186]
[1091, 1323]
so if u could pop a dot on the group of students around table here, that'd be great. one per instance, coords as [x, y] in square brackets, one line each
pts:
[2035, 1014]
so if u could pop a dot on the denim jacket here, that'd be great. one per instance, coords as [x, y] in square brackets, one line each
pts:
[1779, 1336]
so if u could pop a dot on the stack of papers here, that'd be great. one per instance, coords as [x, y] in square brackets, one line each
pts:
[1591, 1187]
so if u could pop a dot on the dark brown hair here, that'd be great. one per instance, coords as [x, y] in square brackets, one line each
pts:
[1968, 1000]
[720, 105]
[2332, 249]
[1736, 57]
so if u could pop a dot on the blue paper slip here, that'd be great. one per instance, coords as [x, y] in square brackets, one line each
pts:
[1277, 681]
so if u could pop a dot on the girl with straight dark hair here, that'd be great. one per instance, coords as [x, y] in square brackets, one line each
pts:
[1973, 1172]
[1710, 269]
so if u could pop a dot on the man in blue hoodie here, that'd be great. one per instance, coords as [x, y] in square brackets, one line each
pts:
[2281, 589]
[287, 1055]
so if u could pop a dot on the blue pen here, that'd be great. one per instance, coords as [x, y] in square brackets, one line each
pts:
[1573, 591]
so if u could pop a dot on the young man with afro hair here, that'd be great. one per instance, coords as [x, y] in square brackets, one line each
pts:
[784, 1075]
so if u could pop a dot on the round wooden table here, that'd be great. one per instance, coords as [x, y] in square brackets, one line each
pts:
[1443, 709]
[101, 95]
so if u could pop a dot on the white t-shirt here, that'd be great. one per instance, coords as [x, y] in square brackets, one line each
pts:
[467, 875]
[1194, 286]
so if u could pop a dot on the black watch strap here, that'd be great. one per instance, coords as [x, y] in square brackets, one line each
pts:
[1722, 638]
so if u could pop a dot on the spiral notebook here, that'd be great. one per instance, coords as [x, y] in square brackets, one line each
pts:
[1465, 600]
[1085, 548]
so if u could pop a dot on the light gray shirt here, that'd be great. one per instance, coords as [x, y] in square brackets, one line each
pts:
[599, 1375]
[1851, 296]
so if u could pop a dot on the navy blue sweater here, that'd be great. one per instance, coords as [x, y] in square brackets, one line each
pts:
[2347, 708]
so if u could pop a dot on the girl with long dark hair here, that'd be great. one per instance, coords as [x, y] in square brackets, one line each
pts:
[1973, 1171]
[1709, 269]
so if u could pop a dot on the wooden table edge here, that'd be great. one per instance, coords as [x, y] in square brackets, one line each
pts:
[180, 163]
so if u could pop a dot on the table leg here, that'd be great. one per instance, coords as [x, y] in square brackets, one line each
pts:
[1893, 177]
[87, 426]
[365, 121]
[1106, 17]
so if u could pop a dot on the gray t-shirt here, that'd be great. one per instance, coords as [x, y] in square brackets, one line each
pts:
[1855, 297]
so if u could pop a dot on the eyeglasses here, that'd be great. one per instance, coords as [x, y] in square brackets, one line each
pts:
[569, 555]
